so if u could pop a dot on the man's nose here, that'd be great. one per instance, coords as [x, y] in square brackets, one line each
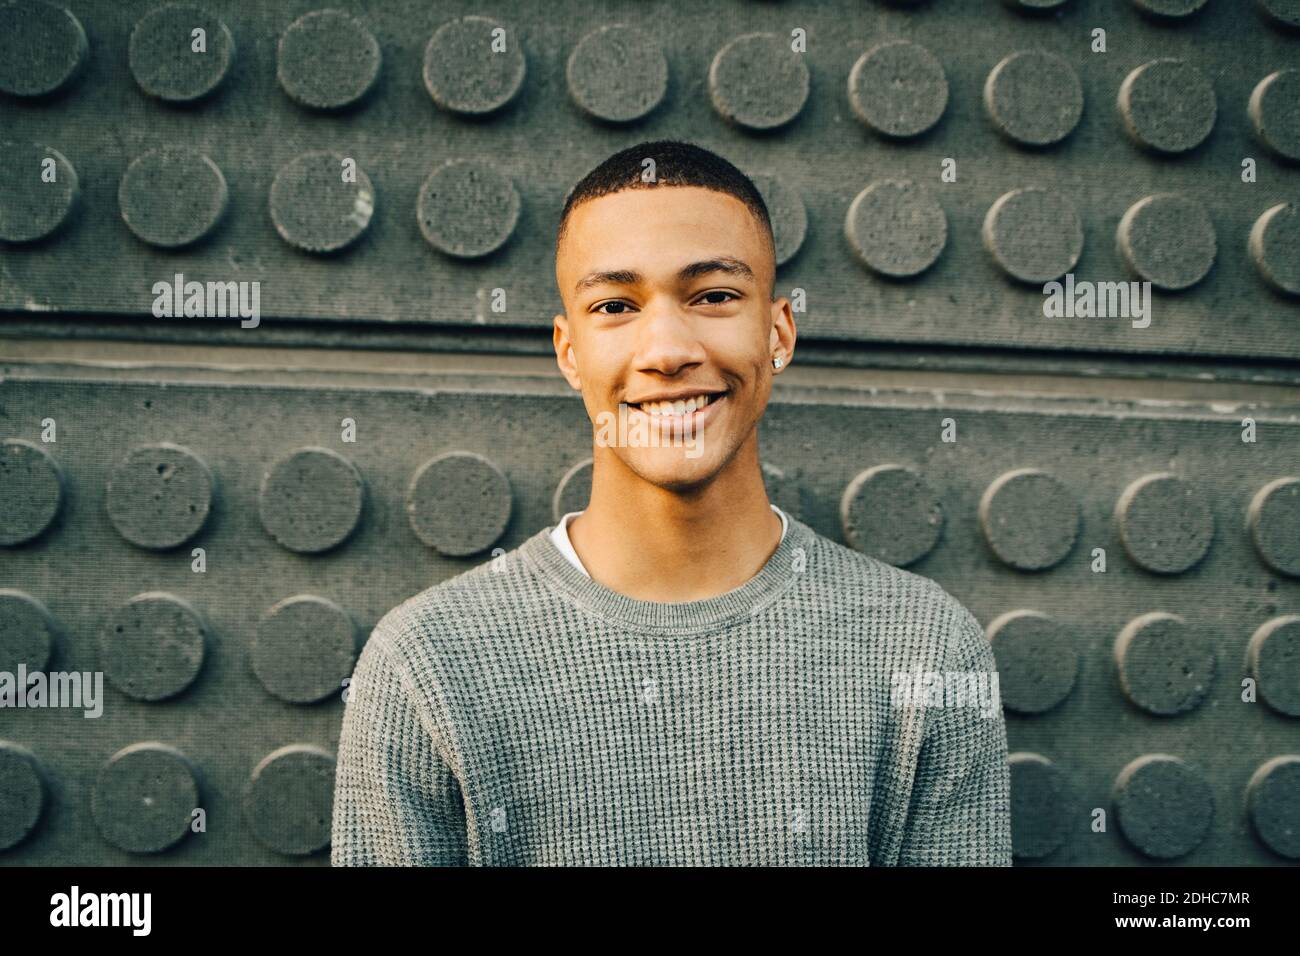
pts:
[668, 337]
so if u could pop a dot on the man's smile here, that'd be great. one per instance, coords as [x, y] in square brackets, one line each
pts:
[679, 416]
[677, 403]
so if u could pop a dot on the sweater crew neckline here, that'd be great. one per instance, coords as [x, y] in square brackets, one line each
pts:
[772, 579]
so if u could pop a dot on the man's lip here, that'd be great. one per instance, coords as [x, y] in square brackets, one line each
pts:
[678, 396]
[695, 419]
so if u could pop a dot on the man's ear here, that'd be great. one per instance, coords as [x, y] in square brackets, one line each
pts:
[564, 356]
[781, 341]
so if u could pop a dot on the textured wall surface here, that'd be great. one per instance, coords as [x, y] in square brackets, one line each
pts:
[1131, 544]
[464, 157]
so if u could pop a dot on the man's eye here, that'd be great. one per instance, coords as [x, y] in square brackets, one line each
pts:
[621, 307]
[708, 300]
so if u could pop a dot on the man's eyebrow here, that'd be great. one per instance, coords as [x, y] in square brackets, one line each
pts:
[725, 264]
[728, 264]
[617, 277]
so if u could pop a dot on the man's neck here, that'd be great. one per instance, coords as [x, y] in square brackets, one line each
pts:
[654, 545]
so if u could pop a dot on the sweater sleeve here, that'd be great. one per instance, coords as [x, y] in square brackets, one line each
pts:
[960, 813]
[396, 800]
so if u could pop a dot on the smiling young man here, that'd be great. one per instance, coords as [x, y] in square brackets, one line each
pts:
[680, 673]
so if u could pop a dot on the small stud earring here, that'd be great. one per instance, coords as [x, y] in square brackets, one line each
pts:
[776, 361]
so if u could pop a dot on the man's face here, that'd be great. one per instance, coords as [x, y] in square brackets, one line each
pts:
[667, 295]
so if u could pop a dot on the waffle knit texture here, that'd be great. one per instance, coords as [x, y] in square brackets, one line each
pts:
[521, 713]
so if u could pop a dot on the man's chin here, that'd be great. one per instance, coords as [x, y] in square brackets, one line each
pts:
[674, 469]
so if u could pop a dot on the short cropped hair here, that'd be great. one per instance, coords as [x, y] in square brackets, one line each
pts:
[675, 164]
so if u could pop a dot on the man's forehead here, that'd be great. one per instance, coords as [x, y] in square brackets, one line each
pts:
[706, 225]
[667, 204]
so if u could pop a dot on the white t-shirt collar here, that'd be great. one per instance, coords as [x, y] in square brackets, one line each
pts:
[560, 536]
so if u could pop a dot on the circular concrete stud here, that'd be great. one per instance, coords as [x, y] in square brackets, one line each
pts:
[27, 632]
[617, 74]
[788, 214]
[1273, 805]
[311, 500]
[318, 205]
[159, 496]
[152, 647]
[891, 513]
[573, 492]
[1274, 239]
[1163, 806]
[1033, 234]
[289, 800]
[304, 648]
[757, 82]
[32, 206]
[1168, 240]
[1275, 113]
[459, 503]
[1167, 106]
[172, 197]
[144, 798]
[1165, 667]
[1166, 527]
[1039, 821]
[898, 89]
[1273, 659]
[1029, 519]
[22, 794]
[327, 60]
[1035, 6]
[473, 66]
[1169, 9]
[467, 209]
[31, 491]
[42, 48]
[1034, 98]
[896, 228]
[1283, 13]
[1036, 658]
[1274, 522]
[171, 61]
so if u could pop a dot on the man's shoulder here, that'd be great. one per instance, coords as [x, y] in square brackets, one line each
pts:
[904, 601]
[475, 600]
[878, 579]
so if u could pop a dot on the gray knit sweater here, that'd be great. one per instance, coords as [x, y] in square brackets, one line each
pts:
[523, 714]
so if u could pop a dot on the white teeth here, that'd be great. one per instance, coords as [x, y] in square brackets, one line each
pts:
[677, 408]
